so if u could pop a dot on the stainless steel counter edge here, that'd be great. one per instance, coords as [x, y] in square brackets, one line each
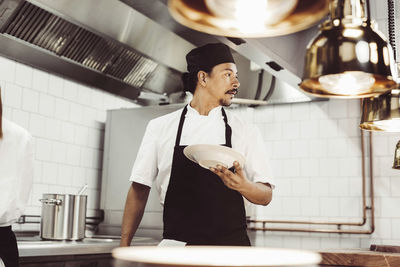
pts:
[86, 246]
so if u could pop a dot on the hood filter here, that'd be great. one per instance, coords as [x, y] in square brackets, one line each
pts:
[38, 27]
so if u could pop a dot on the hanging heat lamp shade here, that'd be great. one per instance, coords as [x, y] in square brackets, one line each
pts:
[248, 18]
[349, 58]
[381, 113]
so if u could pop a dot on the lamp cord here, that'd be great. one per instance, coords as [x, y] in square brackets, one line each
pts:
[391, 26]
[368, 13]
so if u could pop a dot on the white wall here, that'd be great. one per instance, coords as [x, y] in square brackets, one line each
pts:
[315, 154]
[66, 120]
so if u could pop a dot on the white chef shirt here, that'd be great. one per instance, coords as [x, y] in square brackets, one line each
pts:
[16, 171]
[154, 158]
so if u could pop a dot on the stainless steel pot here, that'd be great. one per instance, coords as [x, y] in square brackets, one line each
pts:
[63, 217]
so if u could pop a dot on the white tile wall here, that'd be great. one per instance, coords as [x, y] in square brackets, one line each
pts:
[317, 169]
[66, 120]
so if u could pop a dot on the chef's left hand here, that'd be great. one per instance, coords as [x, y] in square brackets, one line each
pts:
[235, 181]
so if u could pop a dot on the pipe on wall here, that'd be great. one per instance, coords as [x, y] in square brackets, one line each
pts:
[339, 224]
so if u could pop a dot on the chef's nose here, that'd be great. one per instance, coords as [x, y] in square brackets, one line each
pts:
[236, 82]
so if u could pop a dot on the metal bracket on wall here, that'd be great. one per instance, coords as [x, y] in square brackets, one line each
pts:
[339, 224]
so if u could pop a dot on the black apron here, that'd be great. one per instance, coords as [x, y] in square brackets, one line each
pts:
[198, 208]
[8, 247]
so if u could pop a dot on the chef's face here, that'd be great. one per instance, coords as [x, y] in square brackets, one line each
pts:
[222, 83]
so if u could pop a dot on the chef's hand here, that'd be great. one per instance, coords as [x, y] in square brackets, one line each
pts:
[236, 181]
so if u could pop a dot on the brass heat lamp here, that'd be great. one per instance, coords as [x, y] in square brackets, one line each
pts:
[248, 18]
[381, 113]
[349, 58]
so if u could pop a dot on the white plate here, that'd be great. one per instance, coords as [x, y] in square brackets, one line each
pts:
[210, 155]
[216, 256]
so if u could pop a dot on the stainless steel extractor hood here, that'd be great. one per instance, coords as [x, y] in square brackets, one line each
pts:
[130, 48]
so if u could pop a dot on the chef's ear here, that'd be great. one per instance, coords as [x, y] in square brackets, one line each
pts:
[201, 76]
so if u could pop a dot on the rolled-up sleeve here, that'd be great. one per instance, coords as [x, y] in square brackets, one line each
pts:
[257, 167]
[145, 169]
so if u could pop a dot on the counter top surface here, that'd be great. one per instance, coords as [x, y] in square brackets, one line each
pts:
[34, 246]
[359, 257]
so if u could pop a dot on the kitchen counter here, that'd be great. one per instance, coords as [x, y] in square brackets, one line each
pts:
[359, 257]
[34, 246]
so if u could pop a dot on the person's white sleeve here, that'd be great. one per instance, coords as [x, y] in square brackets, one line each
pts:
[145, 169]
[257, 167]
[25, 179]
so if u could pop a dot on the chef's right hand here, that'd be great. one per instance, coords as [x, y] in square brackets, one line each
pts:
[235, 181]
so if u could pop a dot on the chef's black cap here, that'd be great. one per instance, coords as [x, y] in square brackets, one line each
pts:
[208, 56]
[204, 58]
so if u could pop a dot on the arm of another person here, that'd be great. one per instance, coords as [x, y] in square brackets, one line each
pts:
[134, 208]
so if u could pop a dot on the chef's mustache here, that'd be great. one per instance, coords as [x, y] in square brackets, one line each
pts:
[232, 91]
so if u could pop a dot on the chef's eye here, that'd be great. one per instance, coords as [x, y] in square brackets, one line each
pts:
[228, 74]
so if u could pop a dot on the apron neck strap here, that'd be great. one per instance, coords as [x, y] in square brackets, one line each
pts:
[178, 135]
[228, 129]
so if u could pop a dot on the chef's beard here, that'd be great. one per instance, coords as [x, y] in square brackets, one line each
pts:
[225, 102]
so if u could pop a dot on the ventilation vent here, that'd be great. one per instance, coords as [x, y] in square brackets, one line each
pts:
[139, 73]
[52, 33]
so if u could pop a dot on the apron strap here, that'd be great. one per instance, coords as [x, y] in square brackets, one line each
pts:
[228, 129]
[178, 135]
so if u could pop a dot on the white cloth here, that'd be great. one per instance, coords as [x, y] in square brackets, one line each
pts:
[154, 158]
[16, 171]
[170, 243]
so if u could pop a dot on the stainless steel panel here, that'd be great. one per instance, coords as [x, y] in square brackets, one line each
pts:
[125, 129]
[104, 244]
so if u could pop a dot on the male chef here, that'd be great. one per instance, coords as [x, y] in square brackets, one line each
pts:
[201, 206]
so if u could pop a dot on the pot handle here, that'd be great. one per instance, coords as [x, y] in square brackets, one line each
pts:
[51, 201]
